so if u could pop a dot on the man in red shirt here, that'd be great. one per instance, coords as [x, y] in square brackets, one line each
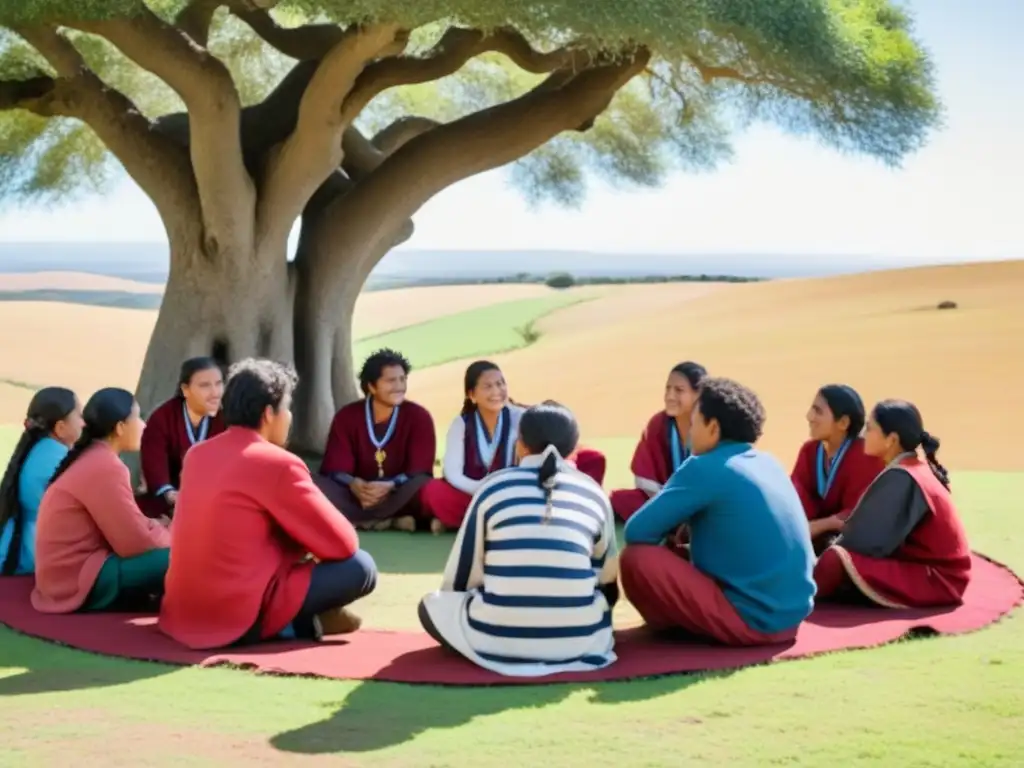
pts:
[257, 551]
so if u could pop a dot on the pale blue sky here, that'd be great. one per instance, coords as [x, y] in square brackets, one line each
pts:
[953, 200]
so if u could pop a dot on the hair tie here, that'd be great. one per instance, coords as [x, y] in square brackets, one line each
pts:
[34, 423]
[549, 482]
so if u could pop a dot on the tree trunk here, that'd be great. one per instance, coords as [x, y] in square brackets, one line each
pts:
[230, 305]
[326, 288]
[337, 252]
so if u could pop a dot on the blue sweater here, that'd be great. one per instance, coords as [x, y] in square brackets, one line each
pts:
[748, 532]
[36, 471]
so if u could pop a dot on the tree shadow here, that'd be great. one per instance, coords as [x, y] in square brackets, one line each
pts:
[411, 553]
[377, 715]
[52, 668]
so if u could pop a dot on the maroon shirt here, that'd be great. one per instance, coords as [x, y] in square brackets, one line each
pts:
[411, 450]
[167, 438]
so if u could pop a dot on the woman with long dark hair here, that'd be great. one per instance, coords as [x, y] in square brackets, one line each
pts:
[664, 444]
[191, 416]
[95, 550]
[903, 545]
[482, 440]
[832, 471]
[531, 581]
[52, 425]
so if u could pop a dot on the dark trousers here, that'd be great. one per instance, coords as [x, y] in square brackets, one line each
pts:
[334, 584]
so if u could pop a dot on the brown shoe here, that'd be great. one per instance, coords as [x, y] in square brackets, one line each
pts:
[437, 527]
[338, 621]
[405, 523]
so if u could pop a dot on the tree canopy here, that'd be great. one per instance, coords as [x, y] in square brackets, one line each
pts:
[848, 71]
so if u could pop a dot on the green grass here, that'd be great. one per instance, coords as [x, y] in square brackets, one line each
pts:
[485, 331]
[955, 701]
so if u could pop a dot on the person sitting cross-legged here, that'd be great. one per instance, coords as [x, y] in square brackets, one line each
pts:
[257, 551]
[746, 577]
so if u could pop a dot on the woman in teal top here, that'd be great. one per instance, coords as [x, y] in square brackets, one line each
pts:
[746, 578]
[53, 424]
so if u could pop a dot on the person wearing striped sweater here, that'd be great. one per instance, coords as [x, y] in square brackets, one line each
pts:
[531, 581]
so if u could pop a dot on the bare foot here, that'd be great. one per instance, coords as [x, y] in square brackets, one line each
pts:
[338, 621]
[405, 523]
[437, 527]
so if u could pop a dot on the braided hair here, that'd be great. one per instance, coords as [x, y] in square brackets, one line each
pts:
[903, 419]
[48, 407]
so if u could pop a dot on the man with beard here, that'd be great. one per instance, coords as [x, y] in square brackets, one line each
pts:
[380, 450]
[190, 417]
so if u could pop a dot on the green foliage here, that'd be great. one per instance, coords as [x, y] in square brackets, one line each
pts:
[560, 280]
[848, 72]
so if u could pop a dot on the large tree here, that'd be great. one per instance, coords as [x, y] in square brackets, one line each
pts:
[239, 118]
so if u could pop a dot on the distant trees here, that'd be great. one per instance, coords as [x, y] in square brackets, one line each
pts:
[560, 280]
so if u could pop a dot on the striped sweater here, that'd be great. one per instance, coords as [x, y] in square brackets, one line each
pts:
[534, 605]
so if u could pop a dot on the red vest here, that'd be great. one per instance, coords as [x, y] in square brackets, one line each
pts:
[939, 541]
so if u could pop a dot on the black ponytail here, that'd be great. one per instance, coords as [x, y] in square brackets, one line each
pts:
[546, 478]
[930, 445]
[545, 427]
[903, 419]
[104, 411]
[47, 407]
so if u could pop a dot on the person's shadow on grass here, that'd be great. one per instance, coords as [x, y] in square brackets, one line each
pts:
[50, 668]
[377, 715]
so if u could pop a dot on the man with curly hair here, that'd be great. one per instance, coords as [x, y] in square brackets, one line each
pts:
[380, 451]
[747, 575]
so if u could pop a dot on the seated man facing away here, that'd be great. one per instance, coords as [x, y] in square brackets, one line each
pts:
[190, 417]
[248, 518]
[380, 451]
[532, 577]
[749, 577]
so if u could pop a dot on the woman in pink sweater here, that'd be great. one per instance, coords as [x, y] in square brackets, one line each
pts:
[95, 550]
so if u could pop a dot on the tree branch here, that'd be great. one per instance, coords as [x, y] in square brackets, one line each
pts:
[159, 167]
[195, 19]
[373, 211]
[404, 129]
[313, 150]
[226, 192]
[21, 94]
[363, 156]
[457, 46]
[305, 43]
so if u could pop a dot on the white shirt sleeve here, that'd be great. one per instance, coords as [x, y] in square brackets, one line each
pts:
[649, 487]
[454, 458]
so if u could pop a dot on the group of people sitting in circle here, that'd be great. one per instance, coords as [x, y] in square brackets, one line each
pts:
[235, 541]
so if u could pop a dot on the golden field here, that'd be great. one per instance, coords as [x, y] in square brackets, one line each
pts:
[607, 358]
[879, 332]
